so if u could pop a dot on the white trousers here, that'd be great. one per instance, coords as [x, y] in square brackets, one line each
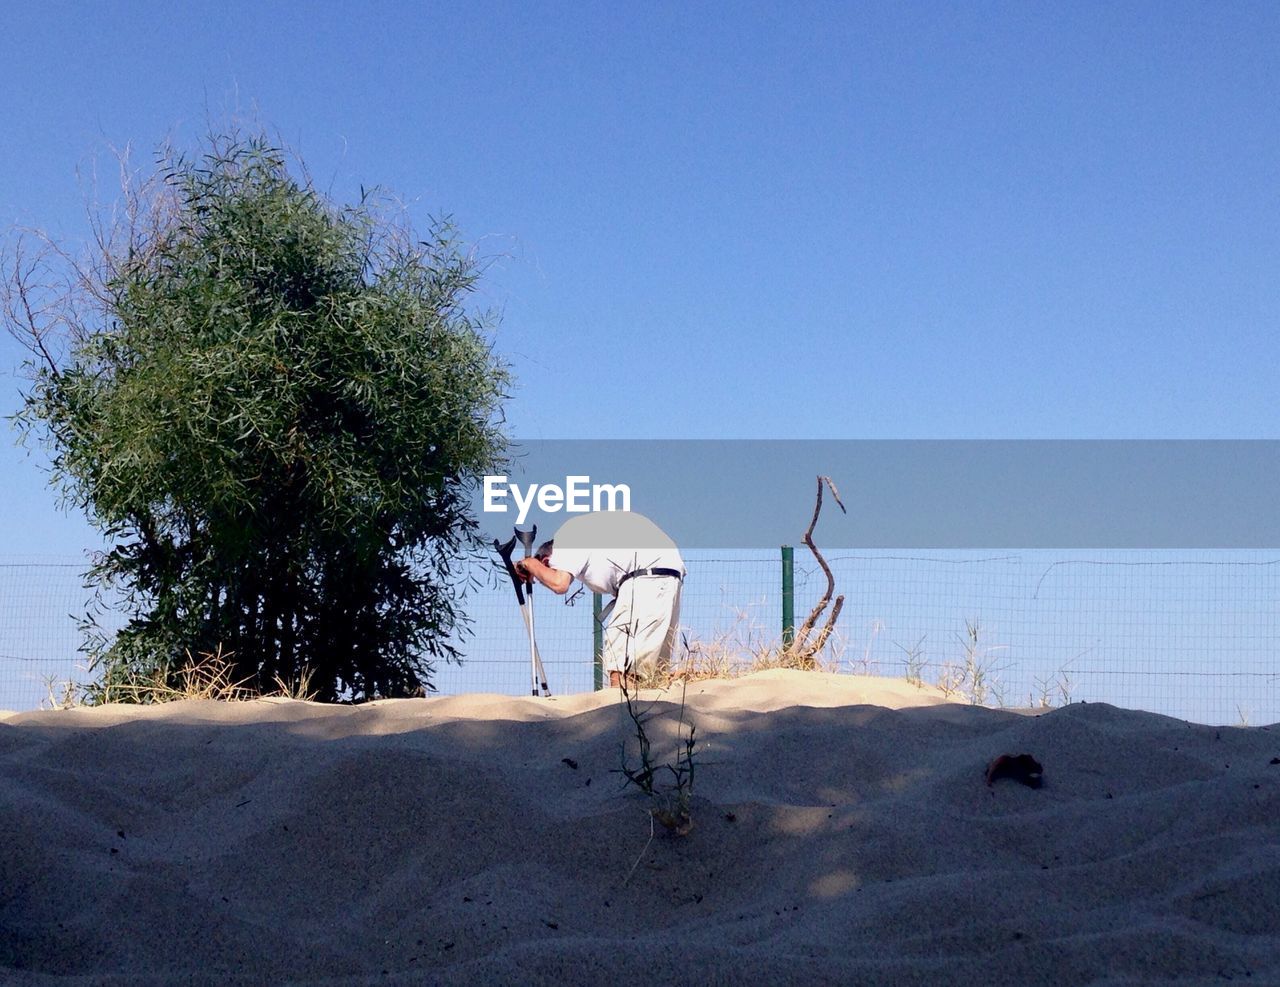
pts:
[642, 624]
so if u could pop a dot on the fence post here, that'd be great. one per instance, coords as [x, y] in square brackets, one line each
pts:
[788, 596]
[597, 642]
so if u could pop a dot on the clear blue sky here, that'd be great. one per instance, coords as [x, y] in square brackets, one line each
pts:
[882, 220]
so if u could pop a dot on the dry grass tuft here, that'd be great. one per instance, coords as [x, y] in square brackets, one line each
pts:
[209, 677]
[299, 688]
[62, 694]
[741, 649]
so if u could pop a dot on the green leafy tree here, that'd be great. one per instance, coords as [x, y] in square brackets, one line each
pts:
[276, 409]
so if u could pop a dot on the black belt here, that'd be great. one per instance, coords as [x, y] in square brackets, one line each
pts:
[651, 572]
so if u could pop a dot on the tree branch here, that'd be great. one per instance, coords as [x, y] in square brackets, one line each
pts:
[798, 648]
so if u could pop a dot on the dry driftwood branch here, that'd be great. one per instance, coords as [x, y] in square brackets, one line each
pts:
[798, 648]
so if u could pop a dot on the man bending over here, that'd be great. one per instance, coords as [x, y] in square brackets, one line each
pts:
[629, 558]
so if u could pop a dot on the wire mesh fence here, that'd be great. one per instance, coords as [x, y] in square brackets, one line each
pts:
[1188, 634]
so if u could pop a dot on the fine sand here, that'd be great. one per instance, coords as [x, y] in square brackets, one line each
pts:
[843, 833]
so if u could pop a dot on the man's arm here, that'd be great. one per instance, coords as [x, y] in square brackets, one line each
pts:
[556, 580]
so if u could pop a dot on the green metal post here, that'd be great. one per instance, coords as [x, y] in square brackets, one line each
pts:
[788, 595]
[597, 640]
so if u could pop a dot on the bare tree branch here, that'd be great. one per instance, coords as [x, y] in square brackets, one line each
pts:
[798, 648]
[54, 297]
[29, 299]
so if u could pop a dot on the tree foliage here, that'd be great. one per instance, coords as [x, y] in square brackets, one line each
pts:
[276, 409]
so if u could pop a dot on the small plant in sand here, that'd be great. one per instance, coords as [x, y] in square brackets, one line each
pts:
[670, 804]
[62, 694]
[914, 661]
[975, 677]
[950, 679]
[1064, 686]
[975, 668]
[1053, 690]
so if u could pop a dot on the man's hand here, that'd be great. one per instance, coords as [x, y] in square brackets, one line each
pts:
[534, 568]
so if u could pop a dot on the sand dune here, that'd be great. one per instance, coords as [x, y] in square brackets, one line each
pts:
[843, 833]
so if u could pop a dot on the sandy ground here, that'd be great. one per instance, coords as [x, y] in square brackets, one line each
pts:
[843, 833]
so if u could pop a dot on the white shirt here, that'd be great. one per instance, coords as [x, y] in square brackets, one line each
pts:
[600, 548]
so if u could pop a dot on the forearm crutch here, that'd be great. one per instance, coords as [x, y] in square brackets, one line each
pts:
[524, 596]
